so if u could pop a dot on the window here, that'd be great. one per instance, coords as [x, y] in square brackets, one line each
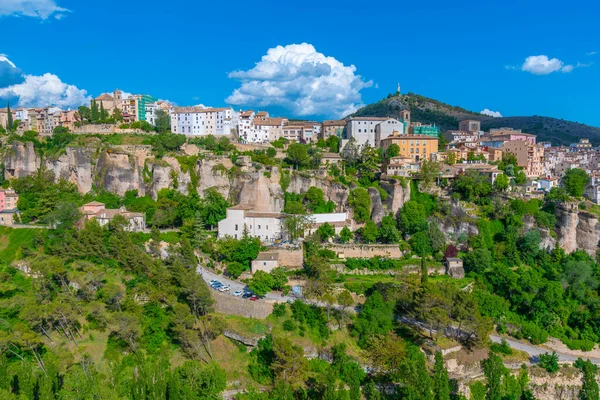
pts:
[412, 150]
[236, 227]
[259, 227]
[267, 227]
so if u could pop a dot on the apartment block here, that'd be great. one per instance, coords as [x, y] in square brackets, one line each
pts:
[332, 128]
[529, 156]
[417, 147]
[197, 121]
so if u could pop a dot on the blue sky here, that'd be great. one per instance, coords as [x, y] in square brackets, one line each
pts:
[473, 54]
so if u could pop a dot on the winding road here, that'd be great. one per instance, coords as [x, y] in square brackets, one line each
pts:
[535, 351]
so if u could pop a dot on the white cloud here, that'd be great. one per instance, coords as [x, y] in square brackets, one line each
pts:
[42, 91]
[487, 111]
[591, 53]
[302, 80]
[42, 9]
[4, 58]
[543, 65]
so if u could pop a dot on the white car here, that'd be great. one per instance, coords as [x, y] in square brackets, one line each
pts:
[225, 288]
[237, 293]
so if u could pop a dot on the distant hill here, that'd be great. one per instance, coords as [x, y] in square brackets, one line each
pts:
[431, 111]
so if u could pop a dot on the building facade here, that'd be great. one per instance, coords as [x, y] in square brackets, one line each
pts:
[417, 147]
[362, 130]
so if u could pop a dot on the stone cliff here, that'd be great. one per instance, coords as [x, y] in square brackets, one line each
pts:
[577, 229]
[300, 182]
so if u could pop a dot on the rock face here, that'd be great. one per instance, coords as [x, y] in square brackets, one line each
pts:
[548, 242]
[577, 229]
[453, 228]
[21, 160]
[300, 182]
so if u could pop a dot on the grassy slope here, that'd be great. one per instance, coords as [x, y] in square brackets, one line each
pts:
[12, 241]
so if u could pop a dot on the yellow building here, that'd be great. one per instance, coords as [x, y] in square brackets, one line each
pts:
[417, 147]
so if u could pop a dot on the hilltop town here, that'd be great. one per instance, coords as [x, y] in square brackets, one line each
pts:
[235, 254]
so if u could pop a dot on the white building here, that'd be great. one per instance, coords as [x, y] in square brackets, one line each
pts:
[197, 121]
[266, 261]
[242, 220]
[268, 226]
[385, 129]
[546, 184]
[362, 129]
[592, 190]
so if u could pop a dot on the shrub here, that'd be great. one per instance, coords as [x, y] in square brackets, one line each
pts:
[549, 362]
[501, 348]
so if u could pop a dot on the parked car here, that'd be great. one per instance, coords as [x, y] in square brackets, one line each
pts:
[254, 297]
[237, 293]
[247, 295]
[225, 288]
[213, 281]
[217, 286]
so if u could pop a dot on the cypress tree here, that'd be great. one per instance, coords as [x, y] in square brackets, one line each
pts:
[424, 272]
[441, 382]
[9, 123]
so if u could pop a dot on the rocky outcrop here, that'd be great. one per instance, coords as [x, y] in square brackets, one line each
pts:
[377, 211]
[21, 160]
[453, 228]
[398, 194]
[74, 166]
[548, 242]
[300, 182]
[262, 191]
[577, 229]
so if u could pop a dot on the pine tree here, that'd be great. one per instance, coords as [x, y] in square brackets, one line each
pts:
[9, 123]
[441, 382]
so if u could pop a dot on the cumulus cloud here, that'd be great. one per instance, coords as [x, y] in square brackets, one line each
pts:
[543, 65]
[302, 80]
[487, 111]
[38, 91]
[42, 9]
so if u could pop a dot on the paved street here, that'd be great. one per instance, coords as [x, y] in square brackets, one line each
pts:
[207, 274]
[535, 351]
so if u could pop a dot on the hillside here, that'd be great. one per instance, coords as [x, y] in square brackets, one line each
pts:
[447, 116]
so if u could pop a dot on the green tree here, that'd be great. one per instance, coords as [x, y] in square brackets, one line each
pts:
[494, 370]
[441, 382]
[261, 283]
[478, 260]
[589, 389]
[162, 122]
[420, 244]
[501, 183]
[376, 318]
[95, 112]
[289, 364]
[549, 361]
[436, 237]
[297, 155]
[10, 126]
[360, 201]
[392, 151]
[412, 217]
[346, 235]
[325, 232]
[575, 181]
[333, 142]
[213, 207]
[370, 232]
[520, 178]
[388, 233]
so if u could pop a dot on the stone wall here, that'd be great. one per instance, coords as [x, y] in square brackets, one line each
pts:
[366, 251]
[291, 258]
[227, 304]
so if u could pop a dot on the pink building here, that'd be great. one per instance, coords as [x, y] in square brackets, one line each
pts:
[8, 199]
